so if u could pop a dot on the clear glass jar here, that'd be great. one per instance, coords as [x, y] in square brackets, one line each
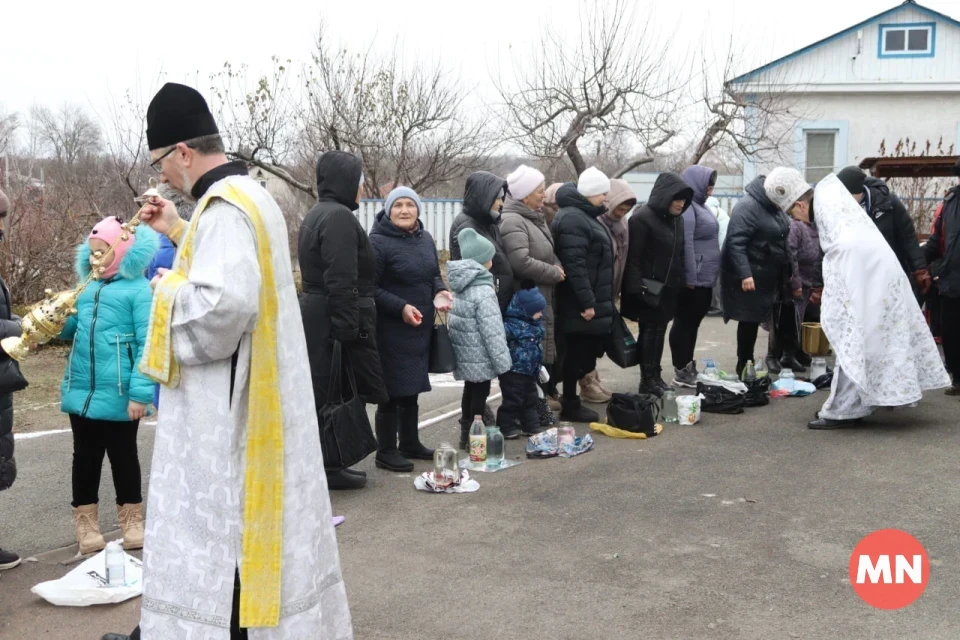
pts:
[668, 407]
[446, 466]
[818, 368]
[566, 433]
[494, 447]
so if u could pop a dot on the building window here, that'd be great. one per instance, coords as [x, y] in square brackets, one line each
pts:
[821, 151]
[907, 40]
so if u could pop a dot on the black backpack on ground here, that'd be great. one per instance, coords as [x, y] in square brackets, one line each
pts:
[758, 392]
[634, 412]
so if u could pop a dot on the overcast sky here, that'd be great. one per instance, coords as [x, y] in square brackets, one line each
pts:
[53, 51]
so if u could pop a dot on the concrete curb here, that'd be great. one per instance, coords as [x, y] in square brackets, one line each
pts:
[71, 554]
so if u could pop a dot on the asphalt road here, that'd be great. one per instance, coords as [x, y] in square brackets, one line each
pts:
[738, 528]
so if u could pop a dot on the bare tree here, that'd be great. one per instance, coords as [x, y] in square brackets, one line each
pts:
[408, 125]
[570, 98]
[69, 133]
[126, 140]
[259, 122]
[9, 124]
[751, 123]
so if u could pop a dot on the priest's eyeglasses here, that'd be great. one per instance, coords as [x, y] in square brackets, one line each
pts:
[155, 165]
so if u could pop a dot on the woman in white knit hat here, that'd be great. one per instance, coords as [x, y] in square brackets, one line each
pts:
[529, 246]
[585, 299]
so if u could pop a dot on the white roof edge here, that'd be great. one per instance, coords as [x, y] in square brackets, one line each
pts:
[850, 87]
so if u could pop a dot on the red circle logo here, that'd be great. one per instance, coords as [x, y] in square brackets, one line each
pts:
[889, 569]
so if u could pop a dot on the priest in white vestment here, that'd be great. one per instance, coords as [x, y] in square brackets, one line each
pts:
[239, 534]
[885, 354]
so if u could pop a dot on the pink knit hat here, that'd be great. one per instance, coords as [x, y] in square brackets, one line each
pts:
[109, 230]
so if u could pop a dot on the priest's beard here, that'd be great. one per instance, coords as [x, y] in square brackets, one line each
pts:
[183, 204]
[187, 184]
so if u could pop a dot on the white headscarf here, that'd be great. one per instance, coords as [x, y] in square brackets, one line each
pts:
[869, 312]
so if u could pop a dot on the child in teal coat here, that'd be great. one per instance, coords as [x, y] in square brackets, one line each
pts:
[103, 391]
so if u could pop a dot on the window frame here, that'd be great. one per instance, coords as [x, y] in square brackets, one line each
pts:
[806, 152]
[906, 27]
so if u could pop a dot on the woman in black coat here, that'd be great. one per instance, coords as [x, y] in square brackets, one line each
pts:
[9, 327]
[408, 287]
[655, 255]
[755, 265]
[584, 305]
[338, 265]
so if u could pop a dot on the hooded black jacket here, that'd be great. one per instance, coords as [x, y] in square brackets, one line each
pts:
[585, 250]
[943, 247]
[894, 222]
[338, 267]
[482, 190]
[656, 251]
[755, 247]
[9, 327]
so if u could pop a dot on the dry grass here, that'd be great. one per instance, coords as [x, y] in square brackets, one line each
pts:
[37, 408]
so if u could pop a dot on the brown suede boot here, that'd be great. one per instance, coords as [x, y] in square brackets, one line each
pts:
[591, 392]
[131, 524]
[87, 524]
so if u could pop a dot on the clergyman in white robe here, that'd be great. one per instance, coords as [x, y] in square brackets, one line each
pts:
[195, 511]
[885, 354]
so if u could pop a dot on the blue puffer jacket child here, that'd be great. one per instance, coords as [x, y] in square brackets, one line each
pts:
[108, 332]
[475, 323]
[524, 333]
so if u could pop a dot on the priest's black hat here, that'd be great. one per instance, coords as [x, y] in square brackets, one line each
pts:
[176, 114]
[853, 179]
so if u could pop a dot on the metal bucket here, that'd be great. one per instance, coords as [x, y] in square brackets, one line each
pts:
[814, 340]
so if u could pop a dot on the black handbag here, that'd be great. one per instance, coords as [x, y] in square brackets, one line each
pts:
[620, 345]
[11, 379]
[345, 434]
[651, 291]
[758, 392]
[719, 399]
[634, 412]
[442, 357]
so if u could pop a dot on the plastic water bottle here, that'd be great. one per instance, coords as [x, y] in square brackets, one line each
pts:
[116, 560]
[478, 440]
[710, 369]
[749, 372]
[494, 448]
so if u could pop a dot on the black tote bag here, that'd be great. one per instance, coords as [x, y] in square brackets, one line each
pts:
[11, 379]
[620, 345]
[345, 434]
[442, 357]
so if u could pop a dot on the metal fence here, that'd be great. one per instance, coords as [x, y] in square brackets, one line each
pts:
[437, 217]
[438, 214]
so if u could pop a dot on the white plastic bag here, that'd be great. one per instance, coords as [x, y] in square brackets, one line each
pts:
[688, 409]
[86, 584]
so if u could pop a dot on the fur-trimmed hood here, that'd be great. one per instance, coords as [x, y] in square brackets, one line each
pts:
[134, 264]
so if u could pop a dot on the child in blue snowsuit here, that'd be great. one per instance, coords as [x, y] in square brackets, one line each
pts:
[524, 327]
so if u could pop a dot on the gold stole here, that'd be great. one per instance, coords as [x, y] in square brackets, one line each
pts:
[260, 567]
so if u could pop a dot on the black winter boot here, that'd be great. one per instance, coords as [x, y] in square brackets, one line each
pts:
[410, 446]
[648, 382]
[803, 358]
[464, 433]
[572, 410]
[789, 361]
[387, 455]
[773, 352]
[342, 480]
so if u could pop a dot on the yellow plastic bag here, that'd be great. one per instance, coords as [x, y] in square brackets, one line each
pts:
[613, 432]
